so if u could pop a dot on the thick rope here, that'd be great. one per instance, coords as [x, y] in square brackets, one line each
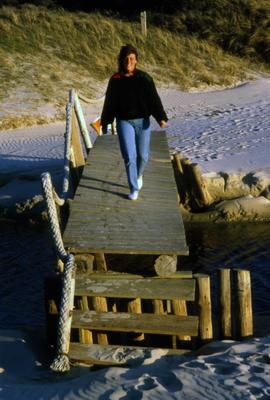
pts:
[61, 362]
[52, 216]
[91, 101]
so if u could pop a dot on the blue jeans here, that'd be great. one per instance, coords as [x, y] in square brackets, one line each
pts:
[134, 139]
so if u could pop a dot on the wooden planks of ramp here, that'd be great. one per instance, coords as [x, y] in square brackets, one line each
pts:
[143, 312]
[102, 219]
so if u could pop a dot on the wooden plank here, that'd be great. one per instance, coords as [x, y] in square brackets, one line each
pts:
[124, 275]
[118, 248]
[103, 220]
[109, 275]
[125, 322]
[76, 142]
[146, 288]
[109, 355]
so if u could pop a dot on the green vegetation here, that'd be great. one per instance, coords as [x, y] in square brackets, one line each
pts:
[238, 26]
[50, 51]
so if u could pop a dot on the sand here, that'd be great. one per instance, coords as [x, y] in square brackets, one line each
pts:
[227, 133]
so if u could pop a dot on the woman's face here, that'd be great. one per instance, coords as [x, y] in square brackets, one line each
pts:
[130, 63]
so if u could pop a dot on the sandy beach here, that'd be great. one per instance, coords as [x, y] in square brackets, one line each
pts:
[227, 132]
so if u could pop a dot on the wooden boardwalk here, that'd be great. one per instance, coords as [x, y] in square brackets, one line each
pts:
[102, 219]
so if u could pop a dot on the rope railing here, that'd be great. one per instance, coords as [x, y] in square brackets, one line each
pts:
[73, 158]
[91, 101]
[61, 361]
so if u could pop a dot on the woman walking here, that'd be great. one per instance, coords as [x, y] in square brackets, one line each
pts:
[131, 98]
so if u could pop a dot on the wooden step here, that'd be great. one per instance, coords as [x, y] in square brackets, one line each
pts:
[145, 288]
[127, 322]
[111, 354]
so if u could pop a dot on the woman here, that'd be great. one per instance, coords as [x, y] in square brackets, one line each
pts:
[131, 98]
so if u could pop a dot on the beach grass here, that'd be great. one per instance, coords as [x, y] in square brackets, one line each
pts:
[239, 26]
[49, 51]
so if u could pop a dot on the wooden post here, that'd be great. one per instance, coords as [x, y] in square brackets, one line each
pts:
[244, 317]
[100, 262]
[84, 263]
[144, 23]
[180, 308]
[198, 186]
[204, 306]
[165, 265]
[158, 307]
[179, 178]
[185, 163]
[82, 124]
[225, 322]
[100, 304]
[135, 307]
[85, 336]
[177, 160]
[186, 181]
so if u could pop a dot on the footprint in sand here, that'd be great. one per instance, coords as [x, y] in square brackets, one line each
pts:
[146, 382]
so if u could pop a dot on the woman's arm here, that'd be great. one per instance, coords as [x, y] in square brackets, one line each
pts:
[107, 115]
[156, 106]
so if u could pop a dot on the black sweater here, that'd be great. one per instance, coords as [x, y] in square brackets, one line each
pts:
[131, 97]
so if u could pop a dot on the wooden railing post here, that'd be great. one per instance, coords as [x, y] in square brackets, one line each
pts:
[244, 303]
[225, 322]
[100, 261]
[76, 142]
[200, 193]
[135, 307]
[180, 308]
[100, 305]
[85, 335]
[203, 296]
[82, 123]
[143, 23]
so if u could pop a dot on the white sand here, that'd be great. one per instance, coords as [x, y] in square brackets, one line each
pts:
[226, 131]
[221, 370]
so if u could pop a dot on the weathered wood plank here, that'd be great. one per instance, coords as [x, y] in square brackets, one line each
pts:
[118, 248]
[125, 322]
[146, 288]
[103, 220]
[124, 275]
[109, 355]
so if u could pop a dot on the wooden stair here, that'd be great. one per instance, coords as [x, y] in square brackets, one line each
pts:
[153, 306]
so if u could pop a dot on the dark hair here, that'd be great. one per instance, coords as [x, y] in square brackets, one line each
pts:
[124, 52]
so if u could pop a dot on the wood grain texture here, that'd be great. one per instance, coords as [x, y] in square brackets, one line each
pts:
[92, 354]
[126, 322]
[102, 219]
[146, 288]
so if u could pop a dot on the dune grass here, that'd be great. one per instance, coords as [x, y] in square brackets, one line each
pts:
[50, 51]
[238, 26]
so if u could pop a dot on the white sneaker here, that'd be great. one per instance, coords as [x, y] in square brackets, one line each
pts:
[140, 182]
[133, 195]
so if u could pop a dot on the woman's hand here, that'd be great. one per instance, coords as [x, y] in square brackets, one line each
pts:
[162, 124]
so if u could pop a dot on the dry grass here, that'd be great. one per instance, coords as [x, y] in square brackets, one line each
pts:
[50, 51]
